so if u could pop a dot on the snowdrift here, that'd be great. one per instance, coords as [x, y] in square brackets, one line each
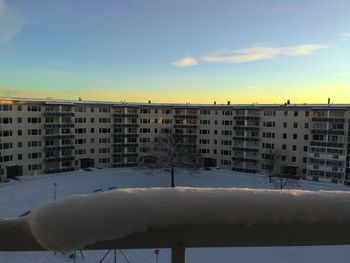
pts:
[80, 220]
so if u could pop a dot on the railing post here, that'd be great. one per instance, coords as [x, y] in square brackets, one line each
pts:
[178, 255]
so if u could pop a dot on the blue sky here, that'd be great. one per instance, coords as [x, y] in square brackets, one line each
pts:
[181, 51]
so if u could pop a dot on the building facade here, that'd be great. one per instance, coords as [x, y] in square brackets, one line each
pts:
[49, 136]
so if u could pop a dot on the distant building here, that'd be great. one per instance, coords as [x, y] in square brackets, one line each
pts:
[48, 136]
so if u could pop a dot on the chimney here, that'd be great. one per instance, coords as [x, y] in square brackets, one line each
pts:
[214, 102]
[149, 102]
[288, 102]
[229, 102]
[329, 100]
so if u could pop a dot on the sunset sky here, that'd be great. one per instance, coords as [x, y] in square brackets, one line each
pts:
[198, 51]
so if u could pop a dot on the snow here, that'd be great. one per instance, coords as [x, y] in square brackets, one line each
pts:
[18, 197]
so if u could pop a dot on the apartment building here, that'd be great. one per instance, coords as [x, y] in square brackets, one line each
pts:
[49, 136]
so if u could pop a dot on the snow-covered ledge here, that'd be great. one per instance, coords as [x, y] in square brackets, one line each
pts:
[183, 217]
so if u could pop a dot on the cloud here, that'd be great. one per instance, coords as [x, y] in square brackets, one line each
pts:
[344, 36]
[255, 53]
[187, 61]
[10, 23]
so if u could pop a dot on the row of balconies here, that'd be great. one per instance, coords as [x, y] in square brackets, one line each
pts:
[246, 149]
[247, 139]
[58, 125]
[185, 126]
[330, 132]
[59, 159]
[341, 120]
[125, 135]
[125, 115]
[125, 125]
[248, 118]
[59, 170]
[185, 116]
[327, 144]
[247, 160]
[59, 136]
[125, 154]
[246, 128]
[58, 114]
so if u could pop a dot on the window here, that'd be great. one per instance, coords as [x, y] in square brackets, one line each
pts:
[19, 132]
[284, 135]
[295, 136]
[306, 137]
[284, 146]
[284, 125]
[307, 114]
[285, 113]
[283, 157]
[294, 159]
[295, 113]
[306, 125]
[20, 157]
[305, 148]
[295, 125]
[294, 147]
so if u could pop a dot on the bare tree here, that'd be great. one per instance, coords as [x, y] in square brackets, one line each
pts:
[172, 153]
[279, 174]
[272, 160]
[283, 178]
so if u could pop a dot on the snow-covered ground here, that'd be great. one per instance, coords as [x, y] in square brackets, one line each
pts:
[17, 197]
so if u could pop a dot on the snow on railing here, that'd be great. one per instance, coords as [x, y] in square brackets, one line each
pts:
[256, 217]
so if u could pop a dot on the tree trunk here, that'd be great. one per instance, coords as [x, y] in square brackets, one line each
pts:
[172, 176]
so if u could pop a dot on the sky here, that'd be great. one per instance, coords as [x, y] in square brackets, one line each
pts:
[184, 51]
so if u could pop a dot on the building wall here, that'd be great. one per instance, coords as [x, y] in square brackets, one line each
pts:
[44, 136]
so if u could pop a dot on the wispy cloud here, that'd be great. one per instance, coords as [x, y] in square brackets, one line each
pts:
[187, 61]
[10, 23]
[344, 36]
[255, 53]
